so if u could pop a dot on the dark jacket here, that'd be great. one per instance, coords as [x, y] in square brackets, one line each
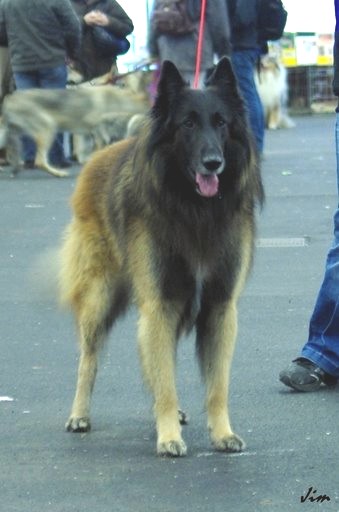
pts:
[182, 49]
[243, 16]
[336, 50]
[39, 33]
[91, 64]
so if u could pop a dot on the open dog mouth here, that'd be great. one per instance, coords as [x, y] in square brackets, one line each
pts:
[207, 184]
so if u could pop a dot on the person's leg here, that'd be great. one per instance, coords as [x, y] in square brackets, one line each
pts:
[5, 73]
[244, 63]
[5, 87]
[26, 80]
[55, 78]
[322, 347]
[23, 81]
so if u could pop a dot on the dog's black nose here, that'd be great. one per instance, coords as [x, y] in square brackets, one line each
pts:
[213, 163]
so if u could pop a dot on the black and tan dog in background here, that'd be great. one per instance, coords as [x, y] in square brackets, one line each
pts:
[167, 220]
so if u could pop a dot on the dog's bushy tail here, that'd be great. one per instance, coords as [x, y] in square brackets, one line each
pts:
[43, 276]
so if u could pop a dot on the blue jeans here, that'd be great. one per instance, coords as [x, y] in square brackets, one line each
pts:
[47, 78]
[244, 62]
[323, 342]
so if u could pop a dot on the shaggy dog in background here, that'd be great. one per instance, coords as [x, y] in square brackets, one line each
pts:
[271, 82]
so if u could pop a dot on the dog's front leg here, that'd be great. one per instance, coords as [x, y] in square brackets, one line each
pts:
[43, 144]
[14, 149]
[216, 335]
[157, 342]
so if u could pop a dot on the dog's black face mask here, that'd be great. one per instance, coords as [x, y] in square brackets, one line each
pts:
[195, 127]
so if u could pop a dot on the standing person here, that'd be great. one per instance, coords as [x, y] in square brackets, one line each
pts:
[40, 36]
[246, 51]
[318, 363]
[103, 13]
[6, 86]
[5, 74]
[181, 48]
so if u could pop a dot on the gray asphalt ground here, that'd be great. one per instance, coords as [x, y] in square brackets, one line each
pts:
[292, 438]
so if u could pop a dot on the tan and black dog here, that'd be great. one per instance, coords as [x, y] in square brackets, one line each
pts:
[167, 220]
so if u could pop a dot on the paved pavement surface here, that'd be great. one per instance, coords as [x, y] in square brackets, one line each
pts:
[292, 438]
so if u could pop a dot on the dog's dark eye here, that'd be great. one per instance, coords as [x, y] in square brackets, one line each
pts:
[188, 123]
[219, 121]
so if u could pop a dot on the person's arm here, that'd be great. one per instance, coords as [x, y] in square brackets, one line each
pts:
[245, 13]
[219, 27]
[3, 31]
[70, 23]
[119, 23]
[336, 64]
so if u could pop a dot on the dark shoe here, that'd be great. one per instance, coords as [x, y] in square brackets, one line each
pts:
[29, 164]
[303, 375]
[63, 164]
[3, 162]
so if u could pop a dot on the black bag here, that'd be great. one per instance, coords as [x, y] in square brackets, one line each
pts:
[171, 17]
[272, 19]
[108, 44]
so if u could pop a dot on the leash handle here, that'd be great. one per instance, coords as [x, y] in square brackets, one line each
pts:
[199, 45]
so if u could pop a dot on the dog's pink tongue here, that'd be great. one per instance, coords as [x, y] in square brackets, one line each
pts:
[208, 184]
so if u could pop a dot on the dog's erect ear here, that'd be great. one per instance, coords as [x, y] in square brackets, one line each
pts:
[169, 86]
[222, 76]
[170, 77]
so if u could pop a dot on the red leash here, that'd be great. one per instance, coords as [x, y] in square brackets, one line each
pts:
[199, 45]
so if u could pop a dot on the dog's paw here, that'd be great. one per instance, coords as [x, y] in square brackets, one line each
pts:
[232, 443]
[60, 174]
[172, 448]
[78, 425]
